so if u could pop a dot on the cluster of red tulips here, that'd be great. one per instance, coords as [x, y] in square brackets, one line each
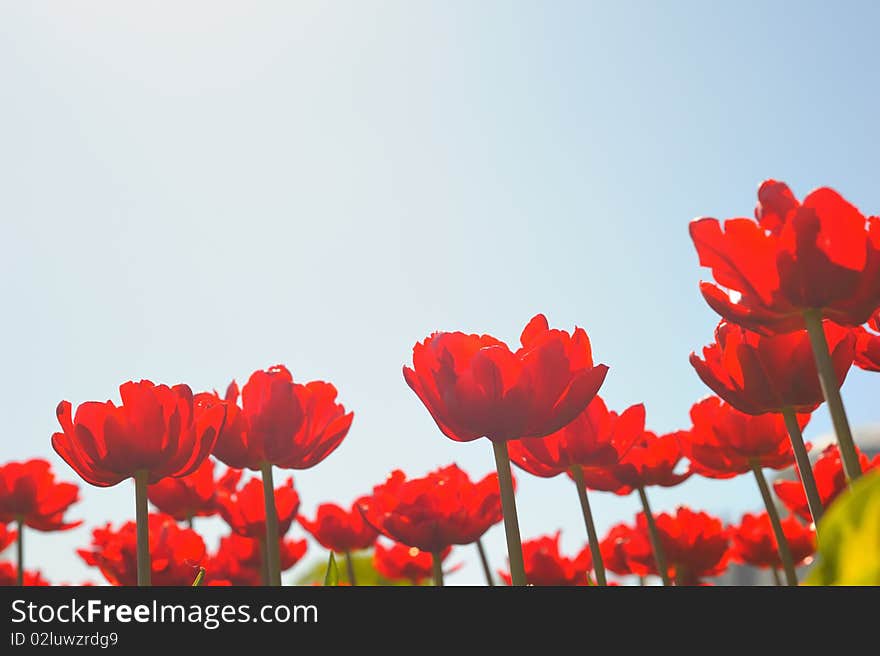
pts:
[798, 290]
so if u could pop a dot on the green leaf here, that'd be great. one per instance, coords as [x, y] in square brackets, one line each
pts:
[199, 577]
[313, 571]
[332, 575]
[849, 537]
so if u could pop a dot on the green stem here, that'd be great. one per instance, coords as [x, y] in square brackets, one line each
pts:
[654, 537]
[142, 518]
[808, 481]
[776, 580]
[831, 391]
[19, 553]
[598, 566]
[642, 581]
[264, 569]
[437, 562]
[273, 556]
[484, 561]
[781, 541]
[349, 566]
[508, 509]
[189, 522]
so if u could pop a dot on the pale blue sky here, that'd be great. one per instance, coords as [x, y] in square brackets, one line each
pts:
[193, 190]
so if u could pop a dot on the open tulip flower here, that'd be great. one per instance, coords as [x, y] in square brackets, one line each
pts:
[401, 562]
[546, 566]
[695, 543]
[155, 433]
[476, 386]
[799, 263]
[627, 551]
[753, 541]
[590, 447]
[30, 496]
[867, 349]
[830, 481]
[9, 576]
[194, 495]
[242, 561]
[341, 530]
[821, 255]
[436, 511]
[176, 552]
[286, 424]
[652, 460]
[770, 373]
[280, 423]
[245, 511]
[725, 442]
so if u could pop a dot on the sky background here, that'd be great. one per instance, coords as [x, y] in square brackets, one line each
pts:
[190, 191]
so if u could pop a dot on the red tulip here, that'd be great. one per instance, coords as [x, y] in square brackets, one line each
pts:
[545, 566]
[280, 422]
[652, 460]
[725, 442]
[753, 542]
[176, 552]
[822, 254]
[867, 349]
[29, 493]
[399, 562]
[244, 510]
[830, 482]
[627, 551]
[239, 560]
[194, 495]
[475, 386]
[874, 322]
[340, 530]
[596, 441]
[9, 576]
[155, 430]
[695, 544]
[7, 536]
[758, 374]
[435, 511]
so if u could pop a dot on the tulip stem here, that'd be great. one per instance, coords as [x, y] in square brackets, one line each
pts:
[349, 566]
[484, 561]
[437, 564]
[142, 519]
[654, 537]
[264, 570]
[831, 391]
[776, 580]
[598, 566]
[808, 481]
[19, 553]
[508, 509]
[781, 541]
[189, 522]
[273, 556]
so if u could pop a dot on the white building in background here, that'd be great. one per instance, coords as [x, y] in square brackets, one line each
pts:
[867, 438]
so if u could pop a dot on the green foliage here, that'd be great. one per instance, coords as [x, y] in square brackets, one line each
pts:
[849, 547]
[364, 572]
[331, 578]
